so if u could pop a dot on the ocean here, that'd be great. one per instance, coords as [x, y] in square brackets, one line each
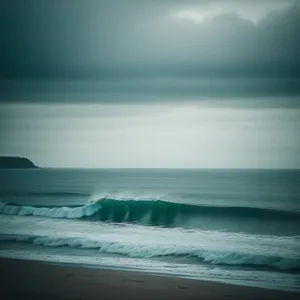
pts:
[233, 226]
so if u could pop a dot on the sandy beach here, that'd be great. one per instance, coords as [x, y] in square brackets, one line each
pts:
[38, 280]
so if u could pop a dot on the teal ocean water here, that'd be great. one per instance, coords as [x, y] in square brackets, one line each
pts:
[235, 226]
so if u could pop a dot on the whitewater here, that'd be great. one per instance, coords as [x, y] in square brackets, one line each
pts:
[234, 226]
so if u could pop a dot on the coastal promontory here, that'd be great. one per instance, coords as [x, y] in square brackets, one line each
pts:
[11, 162]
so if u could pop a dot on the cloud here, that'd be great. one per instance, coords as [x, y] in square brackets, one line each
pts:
[255, 11]
[137, 51]
[259, 92]
[105, 39]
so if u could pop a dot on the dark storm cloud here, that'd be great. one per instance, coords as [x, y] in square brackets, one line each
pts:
[128, 46]
[127, 38]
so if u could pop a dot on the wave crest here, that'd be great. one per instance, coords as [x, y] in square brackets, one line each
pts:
[150, 212]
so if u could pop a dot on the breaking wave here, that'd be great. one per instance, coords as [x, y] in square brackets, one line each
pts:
[204, 256]
[150, 212]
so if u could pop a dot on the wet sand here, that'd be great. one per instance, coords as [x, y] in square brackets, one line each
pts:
[24, 279]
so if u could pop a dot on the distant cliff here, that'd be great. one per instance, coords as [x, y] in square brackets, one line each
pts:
[9, 162]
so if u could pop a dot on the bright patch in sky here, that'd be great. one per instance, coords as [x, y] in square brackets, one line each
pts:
[253, 12]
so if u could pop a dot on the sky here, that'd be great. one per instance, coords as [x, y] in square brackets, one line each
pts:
[151, 83]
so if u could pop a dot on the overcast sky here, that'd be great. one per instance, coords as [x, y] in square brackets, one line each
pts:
[151, 83]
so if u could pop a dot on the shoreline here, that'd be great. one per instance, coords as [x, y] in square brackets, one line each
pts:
[21, 279]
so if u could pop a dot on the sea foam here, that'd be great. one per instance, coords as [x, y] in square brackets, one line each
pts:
[206, 256]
